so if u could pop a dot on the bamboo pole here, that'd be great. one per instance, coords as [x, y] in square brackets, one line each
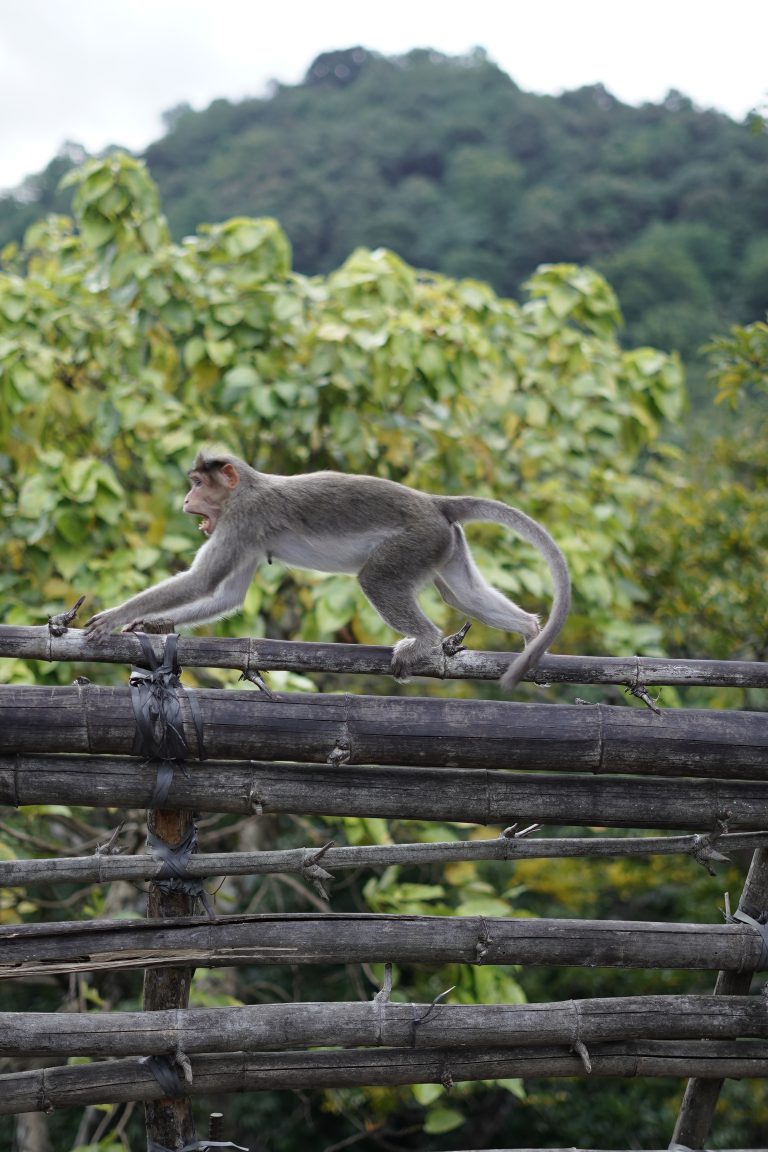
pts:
[394, 730]
[381, 1023]
[392, 792]
[340, 938]
[249, 653]
[102, 869]
[116, 1081]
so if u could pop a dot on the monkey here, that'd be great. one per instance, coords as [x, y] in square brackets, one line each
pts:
[395, 539]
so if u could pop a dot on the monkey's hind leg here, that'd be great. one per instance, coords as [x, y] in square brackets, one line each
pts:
[391, 578]
[461, 584]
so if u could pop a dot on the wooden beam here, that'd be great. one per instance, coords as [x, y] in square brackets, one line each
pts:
[386, 730]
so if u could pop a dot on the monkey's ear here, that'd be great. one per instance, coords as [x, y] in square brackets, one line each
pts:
[230, 475]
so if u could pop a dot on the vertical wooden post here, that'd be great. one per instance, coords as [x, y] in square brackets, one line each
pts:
[169, 1122]
[700, 1099]
[157, 700]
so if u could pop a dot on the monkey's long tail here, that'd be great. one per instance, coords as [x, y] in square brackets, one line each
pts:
[464, 508]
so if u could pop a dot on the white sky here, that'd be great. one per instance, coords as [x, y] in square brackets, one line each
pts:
[100, 72]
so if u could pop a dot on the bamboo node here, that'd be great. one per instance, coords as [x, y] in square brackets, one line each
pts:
[484, 939]
[45, 1102]
[312, 872]
[340, 754]
[253, 675]
[58, 624]
[255, 802]
[636, 687]
[380, 1001]
[703, 846]
[582, 1052]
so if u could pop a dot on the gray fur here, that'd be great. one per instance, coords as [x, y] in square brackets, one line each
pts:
[393, 538]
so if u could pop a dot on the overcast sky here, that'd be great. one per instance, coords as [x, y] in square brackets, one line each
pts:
[102, 71]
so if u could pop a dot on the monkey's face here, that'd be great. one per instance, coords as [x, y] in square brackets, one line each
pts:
[205, 499]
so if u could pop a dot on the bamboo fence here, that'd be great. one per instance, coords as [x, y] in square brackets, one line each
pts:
[697, 772]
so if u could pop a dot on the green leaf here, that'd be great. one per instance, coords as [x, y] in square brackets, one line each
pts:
[97, 230]
[442, 1120]
[537, 412]
[194, 351]
[242, 377]
[483, 906]
[427, 1093]
[93, 187]
[513, 1085]
[220, 351]
[36, 496]
[14, 307]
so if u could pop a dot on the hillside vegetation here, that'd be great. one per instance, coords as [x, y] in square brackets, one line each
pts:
[447, 162]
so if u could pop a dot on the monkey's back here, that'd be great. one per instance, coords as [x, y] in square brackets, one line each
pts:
[337, 502]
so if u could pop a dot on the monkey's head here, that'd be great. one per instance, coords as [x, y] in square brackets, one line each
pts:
[213, 480]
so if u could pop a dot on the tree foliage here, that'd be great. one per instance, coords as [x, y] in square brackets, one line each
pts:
[704, 541]
[122, 351]
[446, 161]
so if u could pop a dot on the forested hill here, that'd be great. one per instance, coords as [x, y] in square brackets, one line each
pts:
[449, 163]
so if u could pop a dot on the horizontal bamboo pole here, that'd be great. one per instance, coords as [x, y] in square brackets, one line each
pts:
[381, 1023]
[117, 1081]
[103, 869]
[32, 949]
[36, 643]
[396, 730]
[481, 797]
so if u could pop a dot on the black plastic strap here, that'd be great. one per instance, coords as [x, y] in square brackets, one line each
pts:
[159, 728]
[155, 694]
[164, 1070]
[173, 876]
[163, 782]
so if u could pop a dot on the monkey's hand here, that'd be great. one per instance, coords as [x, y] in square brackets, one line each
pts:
[103, 623]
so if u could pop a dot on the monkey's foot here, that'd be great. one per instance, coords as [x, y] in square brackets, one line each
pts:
[454, 643]
[408, 654]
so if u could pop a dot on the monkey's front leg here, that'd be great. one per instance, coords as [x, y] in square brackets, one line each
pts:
[183, 599]
[163, 600]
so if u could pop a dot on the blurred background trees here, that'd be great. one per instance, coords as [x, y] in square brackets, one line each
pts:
[447, 162]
